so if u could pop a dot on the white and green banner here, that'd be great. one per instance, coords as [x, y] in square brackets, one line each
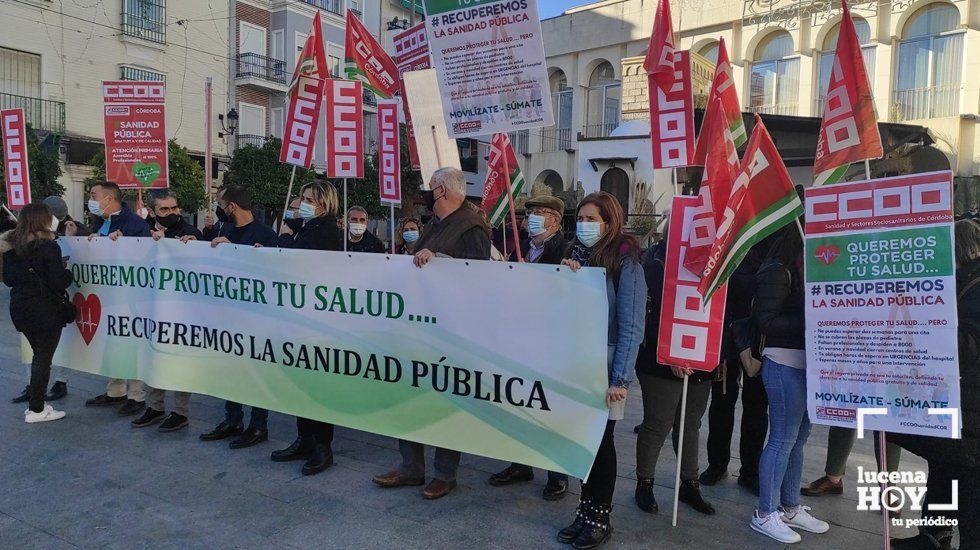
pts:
[500, 360]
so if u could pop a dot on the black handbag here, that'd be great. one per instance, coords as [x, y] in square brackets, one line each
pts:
[67, 313]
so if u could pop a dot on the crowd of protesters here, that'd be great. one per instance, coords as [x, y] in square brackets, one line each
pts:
[764, 362]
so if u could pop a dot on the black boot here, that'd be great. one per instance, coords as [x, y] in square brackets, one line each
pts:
[24, 396]
[320, 459]
[597, 529]
[58, 390]
[301, 449]
[570, 533]
[644, 496]
[691, 494]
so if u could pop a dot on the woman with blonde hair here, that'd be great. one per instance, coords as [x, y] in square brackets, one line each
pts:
[409, 233]
[35, 272]
[601, 242]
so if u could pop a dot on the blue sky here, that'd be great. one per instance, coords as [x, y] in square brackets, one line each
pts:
[551, 8]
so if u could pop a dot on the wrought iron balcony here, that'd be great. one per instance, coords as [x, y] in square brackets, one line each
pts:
[41, 114]
[244, 140]
[332, 6]
[253, 65]
[146, 19]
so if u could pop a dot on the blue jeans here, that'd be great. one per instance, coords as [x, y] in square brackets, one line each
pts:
[781, 465]
[235, 414]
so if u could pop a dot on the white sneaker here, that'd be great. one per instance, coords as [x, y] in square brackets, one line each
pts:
[773, 527]
[47, 415]
[801, 519]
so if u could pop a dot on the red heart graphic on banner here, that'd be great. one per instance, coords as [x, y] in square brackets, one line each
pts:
[89, 315]
[827, 254]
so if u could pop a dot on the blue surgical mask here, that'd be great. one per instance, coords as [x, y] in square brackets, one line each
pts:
[410, 236]
[588, 233]
[535, 225]
[94, 207]
[306, 210]
[289, 215]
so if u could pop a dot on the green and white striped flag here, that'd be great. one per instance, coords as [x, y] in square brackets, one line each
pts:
[502, 160]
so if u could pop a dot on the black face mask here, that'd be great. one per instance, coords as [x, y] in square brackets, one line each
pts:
[169, 221]
[430, 199]
[295, 224]
[222, 216]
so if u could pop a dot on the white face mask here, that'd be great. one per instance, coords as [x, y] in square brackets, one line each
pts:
[357, 229]
[54, 224]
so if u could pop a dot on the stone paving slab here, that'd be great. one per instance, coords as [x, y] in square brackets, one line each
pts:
[93, 481]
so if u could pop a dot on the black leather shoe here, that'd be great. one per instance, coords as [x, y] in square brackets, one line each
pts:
[690, 494]
[597, 529]
[58, 390]
[644, 496]
[24, 396]
[320, 459]
[131, 407]
[555, 489]
[515, 473]
[104, 401]
[749, 482]
[222, 431]
[570, 533]
[149, 417]
[173, 423]
[713, 475]
[301, 449]
[250, 437]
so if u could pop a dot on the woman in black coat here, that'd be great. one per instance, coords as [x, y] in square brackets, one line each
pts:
[36, 274]
[316, 229]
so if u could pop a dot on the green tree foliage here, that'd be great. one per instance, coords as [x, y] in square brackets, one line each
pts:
[267, 179]
[45, 168]
[186, 178]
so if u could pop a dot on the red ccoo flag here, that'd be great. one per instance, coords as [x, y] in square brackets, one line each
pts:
[723, 90]
[659, 62]
[849, 132]
[367, 60]
[313, 59]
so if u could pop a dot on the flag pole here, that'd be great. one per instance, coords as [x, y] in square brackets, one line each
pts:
[289, 193]
[346, 229]
[885, 516]
[503, 231]
[680, 450]
[513, 210]
[207, 132]
[867, 169]
[673, 179]
[392, 228]
[800, 227]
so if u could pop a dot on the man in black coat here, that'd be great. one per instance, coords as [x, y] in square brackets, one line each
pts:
[546, 245]
[114, 219]
[239, 226]
[168, 224]
[359, 239]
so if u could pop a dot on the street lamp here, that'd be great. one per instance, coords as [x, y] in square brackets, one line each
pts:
[232, 126]
[397, 24]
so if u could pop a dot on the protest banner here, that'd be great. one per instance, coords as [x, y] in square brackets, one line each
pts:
[135, 119]
[389, 153]
[690, 328]
[17, 172]
[302, 119]
[345, 129]
[490, 60]
[881, 305]
[436, 149]
[366, 341]
[411, 54]
[672, 115]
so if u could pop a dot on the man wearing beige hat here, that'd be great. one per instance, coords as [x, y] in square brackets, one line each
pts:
[545, 245]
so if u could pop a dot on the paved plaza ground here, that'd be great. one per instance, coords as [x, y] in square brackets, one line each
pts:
[93, 481]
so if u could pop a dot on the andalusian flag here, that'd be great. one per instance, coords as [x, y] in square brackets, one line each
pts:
[368, 62]
[723, 91]
[502, 160]
[763, 201]
[313, 59]
[849, 132]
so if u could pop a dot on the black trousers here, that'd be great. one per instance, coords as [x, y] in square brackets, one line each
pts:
[602, 480]
[939, 491]
[43, 344]
[721, 421]
[320, 432]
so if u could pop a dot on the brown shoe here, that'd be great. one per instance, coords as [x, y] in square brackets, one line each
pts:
[438, 488]
[823, 486]
[397, 479]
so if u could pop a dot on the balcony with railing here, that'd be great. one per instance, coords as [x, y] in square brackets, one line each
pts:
[784, 109]
[145, 19]
[520, 140]
[599, 130]
[332, 6]
[556, 139]
[41, 114]
[369, 99]
[244, 140]
[261, 72]
[922, 103]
